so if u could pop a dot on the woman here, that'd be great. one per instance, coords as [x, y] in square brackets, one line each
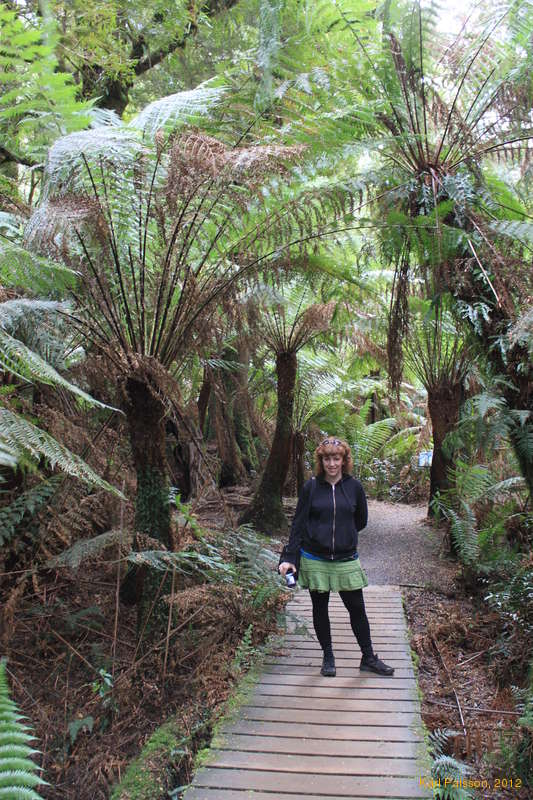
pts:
[322, 549]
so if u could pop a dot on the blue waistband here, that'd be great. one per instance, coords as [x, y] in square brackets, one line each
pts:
[305, 554]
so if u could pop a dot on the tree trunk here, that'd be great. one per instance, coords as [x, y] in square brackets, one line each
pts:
[146, 418]
[444, 402]
[266, 510]
[203, 399]
[298, 454]
[222, 428]
[241, 410]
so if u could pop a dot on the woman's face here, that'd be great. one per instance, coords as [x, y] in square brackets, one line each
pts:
[332, 463]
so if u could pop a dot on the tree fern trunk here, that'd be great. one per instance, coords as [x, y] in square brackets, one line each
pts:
[203, 399]
[241, 409]
[444, 402]
[266, 511]
[298, 455]
[222, 429]
[146, 419]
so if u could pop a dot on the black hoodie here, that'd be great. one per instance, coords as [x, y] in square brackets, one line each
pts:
[327, 520]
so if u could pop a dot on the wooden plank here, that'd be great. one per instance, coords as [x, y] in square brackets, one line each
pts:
[355, 681]
[278, 782]
[205, 793]
[282, 669]
[326, 765]
[348, 703]
[331, 691]
[310, 715]
[341, 660]
[341, 651]
[392, 627]
[324, 747]
[295, 643]
[311, 731]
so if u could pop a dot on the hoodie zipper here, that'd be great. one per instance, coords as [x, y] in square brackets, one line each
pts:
[334, 514]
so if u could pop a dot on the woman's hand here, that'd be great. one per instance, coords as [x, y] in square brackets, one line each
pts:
[285, 567]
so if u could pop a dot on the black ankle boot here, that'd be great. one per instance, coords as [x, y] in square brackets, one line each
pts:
[328, 663]
[371, 663]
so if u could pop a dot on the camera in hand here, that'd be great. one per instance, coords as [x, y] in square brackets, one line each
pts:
[290, 579]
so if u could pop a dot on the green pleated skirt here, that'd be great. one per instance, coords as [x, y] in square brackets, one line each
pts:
[331, 576]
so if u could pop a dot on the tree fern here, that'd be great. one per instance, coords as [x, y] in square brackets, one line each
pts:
[19, 775]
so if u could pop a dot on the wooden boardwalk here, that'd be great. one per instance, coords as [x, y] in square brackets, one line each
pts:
[300, 735]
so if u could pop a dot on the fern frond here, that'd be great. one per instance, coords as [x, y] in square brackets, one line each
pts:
[11, 226]
[517, 230]
[115, 147]
[29, 502]
[13, 312]
[27, 440]
[370, 441]
[15, 357]
[188, 562]
[20, 268]
[522, 331]
[268, 49]
[464, 533]
[74, 556]
[18, 774]
[177, 110]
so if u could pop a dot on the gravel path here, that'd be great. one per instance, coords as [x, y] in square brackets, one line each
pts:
[399, 546]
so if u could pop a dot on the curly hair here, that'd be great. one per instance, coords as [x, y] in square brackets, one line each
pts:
[333, 445]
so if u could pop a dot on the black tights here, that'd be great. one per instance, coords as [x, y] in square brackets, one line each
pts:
[355, 604]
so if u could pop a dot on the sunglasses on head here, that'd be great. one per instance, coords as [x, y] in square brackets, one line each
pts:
[331, 441]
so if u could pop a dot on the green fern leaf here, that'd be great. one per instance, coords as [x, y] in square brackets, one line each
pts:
[15, 357]
[19, 268]
[29, 502]
[18, 774]
[178, 109]
[26, 440]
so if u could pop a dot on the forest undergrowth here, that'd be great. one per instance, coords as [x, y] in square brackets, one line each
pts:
[471, 667]
[94, 691]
